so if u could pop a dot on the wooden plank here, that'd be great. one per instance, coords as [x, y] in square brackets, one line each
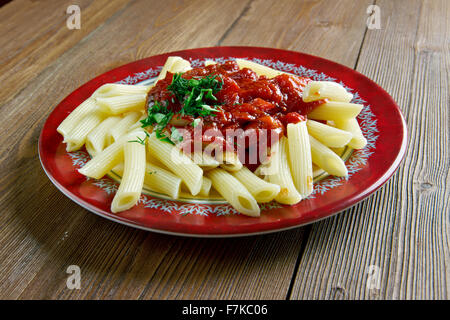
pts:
[403, 229]
[324, 28]
[41, 239]
[257, 267]
[44, 232]
[40, 35]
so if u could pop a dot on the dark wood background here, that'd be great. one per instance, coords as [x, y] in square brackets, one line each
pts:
[403, 229]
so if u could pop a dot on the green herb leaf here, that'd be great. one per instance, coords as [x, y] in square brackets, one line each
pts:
[193, 94]
[176, 135]
[196, 97]
[139, 140]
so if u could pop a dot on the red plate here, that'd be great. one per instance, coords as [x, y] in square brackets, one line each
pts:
[381, 121]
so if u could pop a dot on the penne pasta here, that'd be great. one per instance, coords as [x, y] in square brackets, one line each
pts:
[157, 179]
[234, 192]
[130, 187]
[261, 190]
[76, 138]
[137, 124]
[258, 68]
[161, 180]
[282, 176]
[173, 65]
[230, 161]
[181, 65]
[318, 90]
[209, 62]
[179, 163]
[300, 157]
[204, 160]
[113, 89]
[107, 159]
[326, 159]
[328, 135]
[333, 110]
[352, 126]
[96, 139]
[122, 126]
[206, 187]
[121, 104]
[74, 118]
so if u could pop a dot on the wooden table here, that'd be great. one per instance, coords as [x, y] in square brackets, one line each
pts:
[402, 230]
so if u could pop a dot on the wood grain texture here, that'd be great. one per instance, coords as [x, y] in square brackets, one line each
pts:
[403, 229]
[324, 28]
[35, 229]
[42, 36]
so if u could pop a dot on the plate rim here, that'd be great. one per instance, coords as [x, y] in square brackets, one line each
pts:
[354, 200]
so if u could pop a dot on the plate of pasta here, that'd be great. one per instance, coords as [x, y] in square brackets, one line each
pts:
[223, 141]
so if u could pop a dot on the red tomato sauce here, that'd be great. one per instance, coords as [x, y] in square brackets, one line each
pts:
[248, 101]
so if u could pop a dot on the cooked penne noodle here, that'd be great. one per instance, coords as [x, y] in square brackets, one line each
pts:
[137, 124]
[268, 167]
[122, 126]
[179, 163]
[318, 90]
[76, 138]
[351, 125]
[326, 159]
[261, 190]
[234, 192]
[174, 65]
[118, 169]
[121, 104]
[283, 177]
[209, 62]
[230, 161]
[206, 187]
[339, 151]
[300, 157]
[333, 110]
[130, 187]
[113, 89]
[74, 118]
[106, 160]
[328, 135]
[161, 180]
[204, 160]
[180, 66]
[96, 139]
[258, 68]
[260, 171]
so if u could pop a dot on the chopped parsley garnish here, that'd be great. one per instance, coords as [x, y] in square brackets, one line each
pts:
[158, 116]
[196, 97]
[176, 136]
[139, 140]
